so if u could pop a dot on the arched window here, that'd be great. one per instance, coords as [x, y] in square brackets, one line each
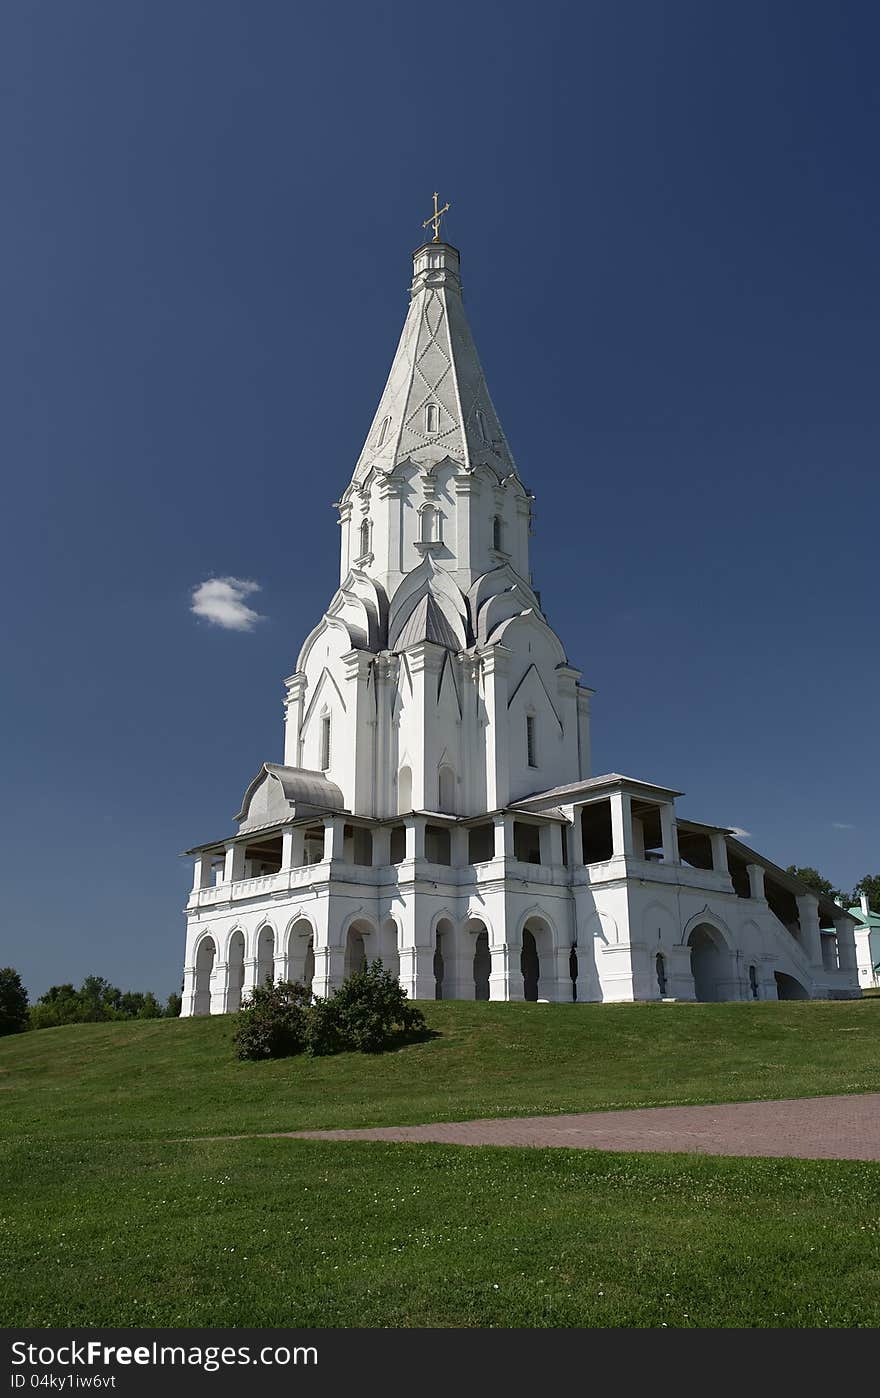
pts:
[325, 742]
[432, 418]
[404, 791]
[383, 431]
[430, 523]
[364, 538]
[753, 982]
[661, 974]
[481, 425]
[531, 749]
[446, 790]
[496, 532]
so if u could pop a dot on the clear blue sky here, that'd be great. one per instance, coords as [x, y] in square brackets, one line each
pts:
[668, 215]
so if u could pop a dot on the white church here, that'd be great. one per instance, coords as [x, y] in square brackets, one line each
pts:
[436, 805]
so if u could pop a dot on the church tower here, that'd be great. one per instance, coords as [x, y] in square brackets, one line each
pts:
[433, 671]
[435, 806]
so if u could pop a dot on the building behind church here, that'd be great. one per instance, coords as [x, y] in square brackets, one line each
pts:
[435, 805]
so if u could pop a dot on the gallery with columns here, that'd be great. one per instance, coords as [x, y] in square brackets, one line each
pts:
[435, 807]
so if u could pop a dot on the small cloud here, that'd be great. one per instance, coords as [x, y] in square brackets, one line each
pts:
[740, 833]
[222, 602]
[841, 825]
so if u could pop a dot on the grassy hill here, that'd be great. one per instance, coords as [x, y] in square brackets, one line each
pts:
[110, 1215]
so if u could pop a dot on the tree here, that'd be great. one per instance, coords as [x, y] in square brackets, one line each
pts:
[870, 885]
[174, 1006]
[13, 1002]
[814, 880]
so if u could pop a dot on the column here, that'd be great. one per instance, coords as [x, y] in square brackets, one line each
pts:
[583, 719]
[756, 881]
[576, 840]
[329, 970]
[381, 846]
[415, 837]
[621, 824]
[458, 840]
[293, 847]
[334, 830]
[503, 836]
[495, 664]
[233, 869]
[669, 834]
[719, 852]
[846, 945]
[293, 717]
[551, 844]
[188, 998]
[202, 871]
[417, 972]
[811, 938]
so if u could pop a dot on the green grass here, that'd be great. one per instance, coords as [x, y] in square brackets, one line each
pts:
[180, 1077]
[108, 1217]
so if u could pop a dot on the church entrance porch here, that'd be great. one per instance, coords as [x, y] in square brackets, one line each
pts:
[711, 965]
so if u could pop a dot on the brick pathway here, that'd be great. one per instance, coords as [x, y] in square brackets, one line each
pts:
[813, 1128]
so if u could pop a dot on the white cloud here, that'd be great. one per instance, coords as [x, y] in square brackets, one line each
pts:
[841, 825]
[222, 602]
[740, 833]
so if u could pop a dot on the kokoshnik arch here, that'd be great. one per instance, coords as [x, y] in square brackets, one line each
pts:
[435, 806]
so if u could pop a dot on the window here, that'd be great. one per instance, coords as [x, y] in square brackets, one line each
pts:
[365, 538]
[661, 975]
[325, 742]
[481, 425]
[383, 431]
[753, 982]
[496, 532]
[531, 756]
[432, 418]
[429, 522]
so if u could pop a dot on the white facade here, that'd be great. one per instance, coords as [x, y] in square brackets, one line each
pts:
[435, 805]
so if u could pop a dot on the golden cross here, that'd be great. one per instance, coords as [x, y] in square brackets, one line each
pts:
[435, 218]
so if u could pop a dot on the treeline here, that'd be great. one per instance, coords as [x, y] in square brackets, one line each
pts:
[95, 1000]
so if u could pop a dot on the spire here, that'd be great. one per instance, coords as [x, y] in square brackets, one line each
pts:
[436, 403]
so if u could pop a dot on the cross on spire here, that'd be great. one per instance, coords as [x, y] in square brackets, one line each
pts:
[435, 218]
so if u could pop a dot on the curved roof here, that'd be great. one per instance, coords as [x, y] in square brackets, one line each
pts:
[277, 793]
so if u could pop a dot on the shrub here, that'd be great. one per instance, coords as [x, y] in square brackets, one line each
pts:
[273, 1021]
[368, 1013]
[13, 1002]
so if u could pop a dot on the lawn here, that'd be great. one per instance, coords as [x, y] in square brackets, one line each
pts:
[108, 1217]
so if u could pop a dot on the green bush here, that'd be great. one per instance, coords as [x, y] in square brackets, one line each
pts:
[273, 1022]
[368, 1013]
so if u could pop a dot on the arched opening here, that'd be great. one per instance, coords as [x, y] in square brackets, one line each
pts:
[537, 962]
[446, 790]
[235, 972]
[573, 972]
[530, 965]
[404, 791]
[265, 955]
[438, 966]
[383, 431]
[432, 418]
[482, 966]
[299, 943]
[309, 967]
[355, 952]
[709, 962]
[662, 982]
[429, 522]
[444, 951]
[365, 538]
[787, 988]
[205, 957]
[481, 425]
[497, 536]
[325, 742]
[753, 982]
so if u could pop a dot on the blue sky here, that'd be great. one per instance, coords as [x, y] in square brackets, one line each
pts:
[668, 218]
